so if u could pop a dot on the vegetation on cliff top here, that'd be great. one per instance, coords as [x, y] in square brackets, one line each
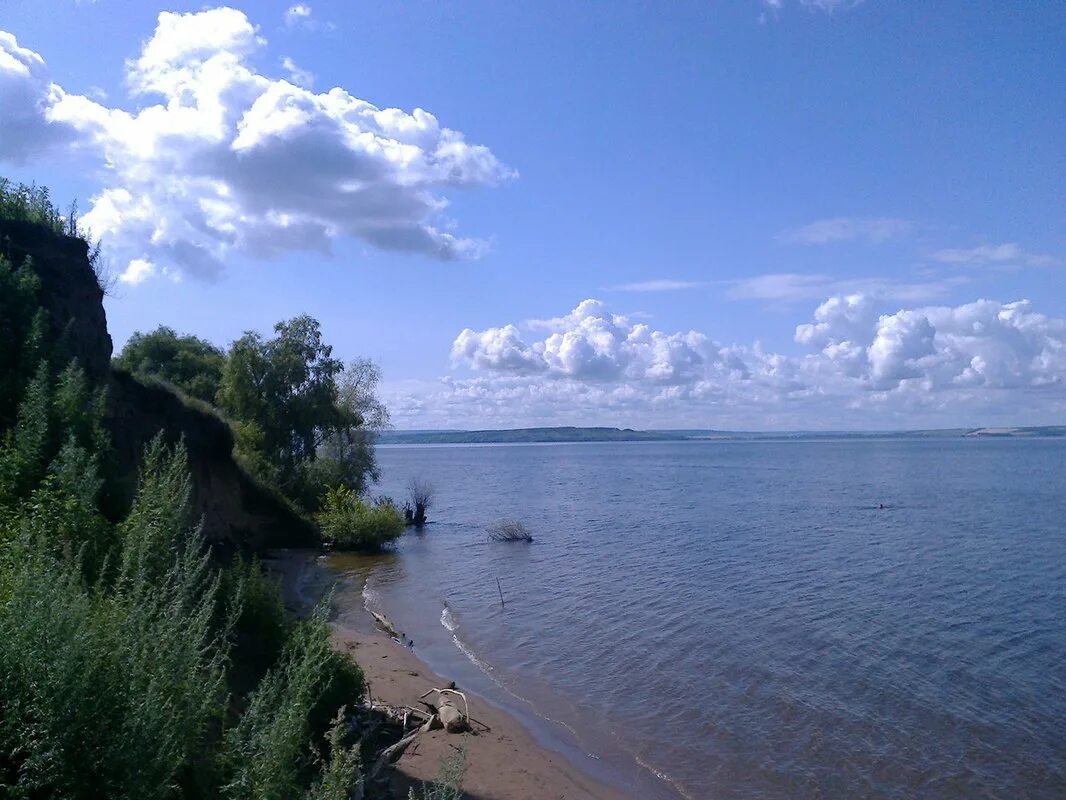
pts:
[132, 663]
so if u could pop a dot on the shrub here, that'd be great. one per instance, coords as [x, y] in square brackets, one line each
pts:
[109, 692]
[261, 626]
[421, 498]
[449, 782]
[350, 522]
[509, 530]
[272, 751]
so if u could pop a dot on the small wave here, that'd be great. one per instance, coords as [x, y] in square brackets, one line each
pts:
[449, 620]
[477, 662]
[371, 599]
[662, 776]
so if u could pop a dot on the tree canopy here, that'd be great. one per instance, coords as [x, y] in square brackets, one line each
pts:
[303, 421]
[192, 364]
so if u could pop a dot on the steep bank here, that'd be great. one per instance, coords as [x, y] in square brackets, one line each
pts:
[238, 512]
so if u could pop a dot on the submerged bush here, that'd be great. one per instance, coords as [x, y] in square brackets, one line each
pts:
[509, 530]
[351, 522]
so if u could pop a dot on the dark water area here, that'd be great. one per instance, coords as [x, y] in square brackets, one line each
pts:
[743, 620]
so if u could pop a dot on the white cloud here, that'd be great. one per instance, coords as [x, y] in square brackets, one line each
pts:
[986, 361]
[299, 76]
[830, 6]
[657, 285]
[231, 160]
[772, 8]
[298, 14]
[843, 229]
[1008, 254]
[26, 95]
[790, 287]
[137, 271]
[589, 344]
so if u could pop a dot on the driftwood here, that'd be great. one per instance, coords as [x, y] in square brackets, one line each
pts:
[442, 701]
[386, 626]
[443, 713]
[391, 753]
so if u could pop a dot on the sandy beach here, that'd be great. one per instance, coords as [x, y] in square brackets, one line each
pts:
[503, 760]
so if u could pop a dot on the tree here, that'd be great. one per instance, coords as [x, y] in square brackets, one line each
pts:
[283, 393]
[192, 364]
[346, 457]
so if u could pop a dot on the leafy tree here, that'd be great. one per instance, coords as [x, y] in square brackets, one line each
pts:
[346, 457]
[302, 420]
[192, 364]
[283, 392]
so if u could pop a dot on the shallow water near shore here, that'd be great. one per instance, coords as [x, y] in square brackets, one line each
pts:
[742, 619]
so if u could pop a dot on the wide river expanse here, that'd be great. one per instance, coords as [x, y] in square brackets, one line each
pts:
[742, 619]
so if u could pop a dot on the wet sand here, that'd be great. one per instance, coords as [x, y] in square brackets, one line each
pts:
[503, 760]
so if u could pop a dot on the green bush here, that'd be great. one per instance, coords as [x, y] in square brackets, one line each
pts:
[350, 522]
[273, 750]
[449, 782]
[109, 691]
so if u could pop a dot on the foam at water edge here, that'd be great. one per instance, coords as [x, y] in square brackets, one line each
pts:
[661, 775]
[448, 620]
[370, 596]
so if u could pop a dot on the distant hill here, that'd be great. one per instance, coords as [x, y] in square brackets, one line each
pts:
[574, 434]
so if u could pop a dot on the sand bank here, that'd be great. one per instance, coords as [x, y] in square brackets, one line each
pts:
[504, 762]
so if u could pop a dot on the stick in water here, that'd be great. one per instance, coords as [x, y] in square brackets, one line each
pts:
[502, 604]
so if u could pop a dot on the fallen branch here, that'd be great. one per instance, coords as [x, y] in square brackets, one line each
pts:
[391, 754]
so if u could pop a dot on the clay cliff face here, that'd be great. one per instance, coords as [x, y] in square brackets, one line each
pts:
[237, 513]
[69, 291]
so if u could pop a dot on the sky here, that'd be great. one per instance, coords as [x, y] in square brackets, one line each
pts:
[747, 214]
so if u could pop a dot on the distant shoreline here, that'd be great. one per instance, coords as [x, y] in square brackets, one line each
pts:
[598, 434]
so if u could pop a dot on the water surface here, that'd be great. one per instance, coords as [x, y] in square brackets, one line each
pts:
[743, 620]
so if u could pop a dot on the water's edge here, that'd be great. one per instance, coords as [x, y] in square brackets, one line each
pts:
[354, 597]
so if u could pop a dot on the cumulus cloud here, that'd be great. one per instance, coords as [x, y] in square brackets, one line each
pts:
[221, 158]
[590, 344]
[843, 229]
[137, 271]
[1008, 254]
[26, 96]
[861, 365]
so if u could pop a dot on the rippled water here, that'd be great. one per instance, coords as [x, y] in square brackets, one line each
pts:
[743, 620]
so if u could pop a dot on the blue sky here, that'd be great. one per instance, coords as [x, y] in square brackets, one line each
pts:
[789, 214]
